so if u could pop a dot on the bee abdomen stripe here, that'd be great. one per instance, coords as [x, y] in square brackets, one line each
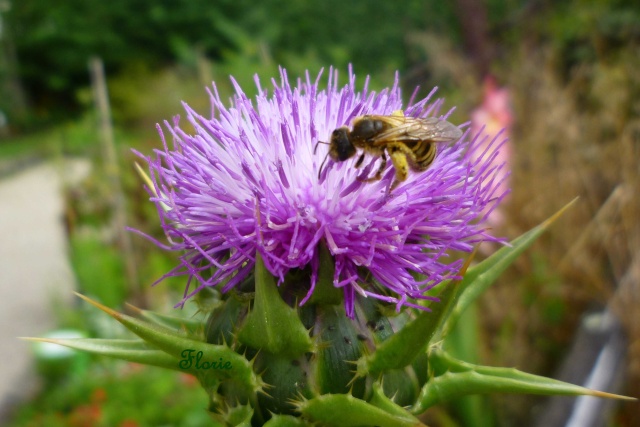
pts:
[426, 152]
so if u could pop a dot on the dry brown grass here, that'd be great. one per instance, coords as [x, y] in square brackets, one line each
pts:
[579, 138]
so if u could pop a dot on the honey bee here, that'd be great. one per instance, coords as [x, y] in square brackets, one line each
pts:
[410, 143]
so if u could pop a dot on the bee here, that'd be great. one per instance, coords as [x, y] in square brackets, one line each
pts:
[410, 143]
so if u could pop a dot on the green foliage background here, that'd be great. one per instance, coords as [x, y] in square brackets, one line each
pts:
[570, 65]
[54, 39]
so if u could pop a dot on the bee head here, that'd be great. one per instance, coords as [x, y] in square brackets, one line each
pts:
[341, 146]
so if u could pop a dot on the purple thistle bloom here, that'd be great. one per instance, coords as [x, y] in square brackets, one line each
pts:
[247, 181]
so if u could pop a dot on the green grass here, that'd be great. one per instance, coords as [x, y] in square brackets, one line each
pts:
[71, 138]
[114, 393]
[99, 269]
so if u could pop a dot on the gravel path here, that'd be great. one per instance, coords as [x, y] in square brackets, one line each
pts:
[34, 268]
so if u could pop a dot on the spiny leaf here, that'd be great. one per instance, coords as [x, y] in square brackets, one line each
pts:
[394, 353]
[401, 384]
[380, 400]
[272, 325]
[461, 378]
[235, 416]
[286, 421]
[345, 411]
[192, 353]
[177, 323]
[480, 277]
[325, 293]
[130, 350]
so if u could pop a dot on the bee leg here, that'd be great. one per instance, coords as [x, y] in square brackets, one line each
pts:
[383, 165]
[359, 162]
[400, 164]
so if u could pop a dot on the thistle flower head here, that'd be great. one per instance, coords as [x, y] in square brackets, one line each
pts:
[245, 181]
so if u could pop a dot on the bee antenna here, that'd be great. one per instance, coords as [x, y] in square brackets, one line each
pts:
[322, 166]
[316, 146]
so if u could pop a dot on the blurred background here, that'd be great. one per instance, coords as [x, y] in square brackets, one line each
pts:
[82, 82]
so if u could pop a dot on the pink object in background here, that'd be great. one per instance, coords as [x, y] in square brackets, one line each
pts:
[496, 116]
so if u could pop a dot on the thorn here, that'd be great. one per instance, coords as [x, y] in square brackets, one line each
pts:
[102, 307]
[134, 308]
[262, 390]
[252, 361]
[604, 394]
[35, 339]
[467, 263]
[556, 215]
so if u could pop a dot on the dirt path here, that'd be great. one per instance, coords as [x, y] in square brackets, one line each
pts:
[34, 267]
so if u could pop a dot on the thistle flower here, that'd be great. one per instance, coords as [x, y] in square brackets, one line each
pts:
[246, 182]
[242, 200]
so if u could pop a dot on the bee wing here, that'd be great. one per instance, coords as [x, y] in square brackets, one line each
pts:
[411, 129]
